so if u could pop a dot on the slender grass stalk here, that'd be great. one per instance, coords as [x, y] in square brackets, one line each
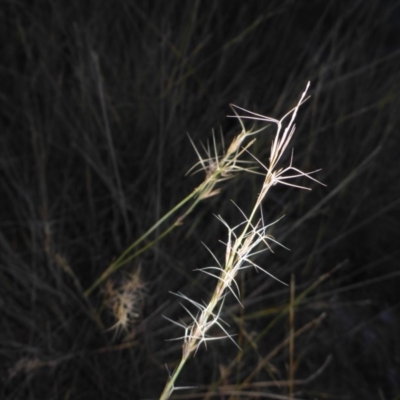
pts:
[239, 248]
[217, 168]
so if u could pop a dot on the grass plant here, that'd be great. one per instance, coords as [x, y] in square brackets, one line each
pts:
[97, 102]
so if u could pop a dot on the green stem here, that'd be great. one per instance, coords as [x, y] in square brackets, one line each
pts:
[202, 191]
[124, 258]
[169, 387]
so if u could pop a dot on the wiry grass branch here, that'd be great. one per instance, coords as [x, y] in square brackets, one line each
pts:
[217, 168]
[240, 248]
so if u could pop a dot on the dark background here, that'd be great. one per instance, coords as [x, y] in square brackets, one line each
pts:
[96, 100]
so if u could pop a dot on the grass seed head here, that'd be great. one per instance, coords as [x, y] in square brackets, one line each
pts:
[125, 302]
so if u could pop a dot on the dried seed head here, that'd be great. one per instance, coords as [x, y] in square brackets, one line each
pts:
[125, 302]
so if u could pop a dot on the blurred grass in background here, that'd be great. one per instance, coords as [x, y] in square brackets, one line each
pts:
[96, 100]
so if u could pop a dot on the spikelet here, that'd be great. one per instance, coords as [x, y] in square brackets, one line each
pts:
[125, 301]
